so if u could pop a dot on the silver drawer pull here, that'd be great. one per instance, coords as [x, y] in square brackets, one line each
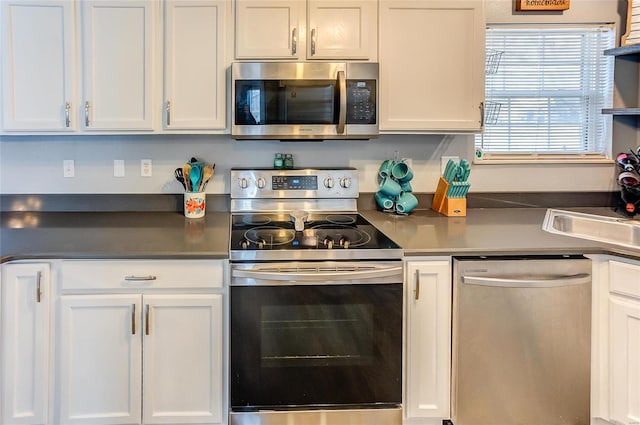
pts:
[139, 278]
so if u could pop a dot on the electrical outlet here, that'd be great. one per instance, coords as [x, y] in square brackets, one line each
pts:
[445, 159]
[118, 168]
[146, 168]
[68, 168]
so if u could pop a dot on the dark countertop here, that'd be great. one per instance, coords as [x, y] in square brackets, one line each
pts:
[485, 231]
[53, 235]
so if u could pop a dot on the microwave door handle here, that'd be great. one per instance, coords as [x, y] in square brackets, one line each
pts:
[342, 119]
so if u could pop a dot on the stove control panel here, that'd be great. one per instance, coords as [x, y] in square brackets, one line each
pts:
[305, 183]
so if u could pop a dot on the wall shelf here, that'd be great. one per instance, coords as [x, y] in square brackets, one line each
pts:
[634, 49]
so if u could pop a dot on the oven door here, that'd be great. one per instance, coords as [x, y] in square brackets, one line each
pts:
[316, 336]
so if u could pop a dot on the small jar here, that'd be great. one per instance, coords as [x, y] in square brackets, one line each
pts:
[288, 161]
[278, 162]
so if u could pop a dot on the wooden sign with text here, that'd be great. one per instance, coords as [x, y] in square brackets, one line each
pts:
[542, 4]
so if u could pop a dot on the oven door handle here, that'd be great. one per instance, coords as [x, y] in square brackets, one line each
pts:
[328, 276]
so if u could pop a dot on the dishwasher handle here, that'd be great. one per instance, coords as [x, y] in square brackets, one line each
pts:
[539, 282]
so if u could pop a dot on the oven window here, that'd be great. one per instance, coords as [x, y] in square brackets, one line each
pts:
[316, 345]
[316, 335]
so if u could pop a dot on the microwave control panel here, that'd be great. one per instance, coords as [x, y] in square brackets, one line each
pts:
[361, 101]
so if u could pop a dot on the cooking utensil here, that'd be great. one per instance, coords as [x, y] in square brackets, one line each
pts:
[180, 177]
[207, 173]
[186, 172]
[194, 176]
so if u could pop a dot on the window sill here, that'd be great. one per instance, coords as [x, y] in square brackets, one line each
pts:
[494, 159]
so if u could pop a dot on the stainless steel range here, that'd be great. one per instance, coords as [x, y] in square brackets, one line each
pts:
[316, 303]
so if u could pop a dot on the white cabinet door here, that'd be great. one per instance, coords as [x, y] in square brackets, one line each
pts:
[624, 359]
[25, 344]
[624, 341]
[117, 43]
[428, 350]
[431, 65]
[194, 70]
[183, 359]
[37, 65]
[270, 29]
[342, 29]
[100, 359]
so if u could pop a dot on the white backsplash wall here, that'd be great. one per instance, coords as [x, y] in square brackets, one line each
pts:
[34, 165]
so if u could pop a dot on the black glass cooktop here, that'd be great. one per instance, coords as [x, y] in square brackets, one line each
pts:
[264, 232]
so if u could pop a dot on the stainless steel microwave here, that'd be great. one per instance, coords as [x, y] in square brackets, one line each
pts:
[304, 100]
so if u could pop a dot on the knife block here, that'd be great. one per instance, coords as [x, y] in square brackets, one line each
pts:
[451, 207]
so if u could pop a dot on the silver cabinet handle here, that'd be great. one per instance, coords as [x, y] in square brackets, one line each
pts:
[67, 115]
[417, 291]
[481, 114]
[294, 41]
[146, 321]
[342, 118]
[133, 319]
[86, 114]
[168, 109]
[139, 278]
[38, 287]
[313, 42]
[538, 282]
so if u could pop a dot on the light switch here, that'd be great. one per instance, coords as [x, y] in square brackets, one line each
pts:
[118, 168]
[68, 168]
[146, 168]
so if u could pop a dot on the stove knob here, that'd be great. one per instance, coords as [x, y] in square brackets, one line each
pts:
[261, 183]
[328, 182]
[328, 242]
[244, 244]
[345, 182]
[243, 182]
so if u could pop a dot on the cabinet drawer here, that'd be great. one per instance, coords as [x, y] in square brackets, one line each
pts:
[624, 278]
[136, 274]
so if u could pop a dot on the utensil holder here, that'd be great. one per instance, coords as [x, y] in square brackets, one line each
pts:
[451, 207]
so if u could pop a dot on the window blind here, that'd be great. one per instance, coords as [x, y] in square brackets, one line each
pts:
[545, 90]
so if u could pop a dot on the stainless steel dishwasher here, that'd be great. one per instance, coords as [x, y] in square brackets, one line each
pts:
[521, 340]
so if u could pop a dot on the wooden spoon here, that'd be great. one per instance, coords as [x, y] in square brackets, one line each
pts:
[206, 175]
[186, 172]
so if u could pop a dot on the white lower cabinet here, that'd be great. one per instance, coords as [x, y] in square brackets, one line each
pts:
[24, 343]
[624, 340]
[428, 341]
[616, 347]
[140, 355]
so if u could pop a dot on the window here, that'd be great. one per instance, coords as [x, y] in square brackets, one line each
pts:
[545, 90]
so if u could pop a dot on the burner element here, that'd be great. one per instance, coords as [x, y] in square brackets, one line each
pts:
[340, 219]
[256, 219]
[269, 236]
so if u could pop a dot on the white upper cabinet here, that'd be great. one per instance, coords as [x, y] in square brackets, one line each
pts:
[342, 29]
[117, 46]
[431, 65]
[269, 29]
[37, 65]
[194, 68]
[306, 30]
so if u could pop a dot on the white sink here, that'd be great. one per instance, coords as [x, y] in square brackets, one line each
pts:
[612, 230]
